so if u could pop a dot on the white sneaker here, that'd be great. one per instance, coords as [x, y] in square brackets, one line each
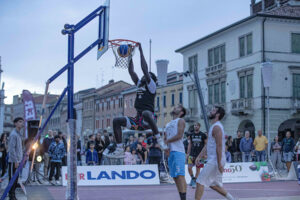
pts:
[118, 153]
[162, 144]
[57, 182]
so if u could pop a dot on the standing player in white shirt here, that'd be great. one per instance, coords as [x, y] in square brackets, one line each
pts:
[174, 140]
[211, 175]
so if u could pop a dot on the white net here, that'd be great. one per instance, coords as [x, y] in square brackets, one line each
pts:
[122, 59]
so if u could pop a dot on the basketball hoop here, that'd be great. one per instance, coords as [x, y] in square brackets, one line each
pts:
[123, 51]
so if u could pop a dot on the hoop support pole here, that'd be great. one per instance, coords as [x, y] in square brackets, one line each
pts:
[26, 155]
[85, 51]
[88, 18]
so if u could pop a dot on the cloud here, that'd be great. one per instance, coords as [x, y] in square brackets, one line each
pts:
[12, 87]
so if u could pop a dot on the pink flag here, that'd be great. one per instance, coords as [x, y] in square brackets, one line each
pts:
[29, 108]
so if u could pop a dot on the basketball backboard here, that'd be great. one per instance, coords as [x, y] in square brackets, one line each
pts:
[103, 30]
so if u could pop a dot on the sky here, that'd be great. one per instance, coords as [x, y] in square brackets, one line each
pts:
[32, 47]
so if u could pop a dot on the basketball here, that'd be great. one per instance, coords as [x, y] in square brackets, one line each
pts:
[123, 50]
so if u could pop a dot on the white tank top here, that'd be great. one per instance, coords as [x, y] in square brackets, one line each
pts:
[212, 148]
[171, 131]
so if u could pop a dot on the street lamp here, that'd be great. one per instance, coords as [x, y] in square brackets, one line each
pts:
[266, 70]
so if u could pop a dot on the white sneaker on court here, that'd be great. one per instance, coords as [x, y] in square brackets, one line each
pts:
[162, 144]
[118, 153]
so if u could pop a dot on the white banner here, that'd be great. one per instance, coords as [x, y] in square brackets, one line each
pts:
[241, 172]
[115, 175]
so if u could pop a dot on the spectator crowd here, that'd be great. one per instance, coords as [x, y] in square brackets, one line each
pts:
[140, 149]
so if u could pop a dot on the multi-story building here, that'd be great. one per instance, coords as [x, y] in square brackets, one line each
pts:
[167, 97]
[58, 121]
[109, 104]
[8, 124]
[79, 109]
[229, 62]
[129, 96]
[54, 122]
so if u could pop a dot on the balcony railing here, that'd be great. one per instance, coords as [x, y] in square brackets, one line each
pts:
[242, 106]
[295, 108]
[214, 69]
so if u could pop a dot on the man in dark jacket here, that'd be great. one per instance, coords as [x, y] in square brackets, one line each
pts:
[56, 153]
[246, 147]
[237, 155]
[15, 153]
[154, 151]
[288, 147]
[45, 146]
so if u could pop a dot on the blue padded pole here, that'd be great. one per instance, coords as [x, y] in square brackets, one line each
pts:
[72, 167]
[25, 157]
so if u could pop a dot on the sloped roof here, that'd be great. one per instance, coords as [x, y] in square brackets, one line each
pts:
[284, 10]
[39, 99]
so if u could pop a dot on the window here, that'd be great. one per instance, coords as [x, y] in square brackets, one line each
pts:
[216, 55]
[102, 106]
[131, 103]
[217, 91]
[210, 94]
[121, 103]
[242, 87]
[249, 86]
[245, 44]
[107, 122]
[242, 46]
[173, 100]
[295, 42]
[114, 104]
[246, 84]
[223, 92]
[97, 124]
[102, 123]
[107, 105]
[249, 44]
[296, 86]
[193, 100]
[193, 63]
[157, 102]
[180, 97]
[165, 101]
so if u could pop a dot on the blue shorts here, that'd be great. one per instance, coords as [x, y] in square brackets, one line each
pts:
[176, 164]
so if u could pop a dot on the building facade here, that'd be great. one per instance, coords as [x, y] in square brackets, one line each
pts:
[129, 96]
[229, 66]
[8, 124]
[167, 97]
[109, 104]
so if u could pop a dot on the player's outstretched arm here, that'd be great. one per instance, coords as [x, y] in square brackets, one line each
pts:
[133, 75]
[144, 65]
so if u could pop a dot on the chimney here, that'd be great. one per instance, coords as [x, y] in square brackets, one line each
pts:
[162, 71]
[111, 81]
[251, 6]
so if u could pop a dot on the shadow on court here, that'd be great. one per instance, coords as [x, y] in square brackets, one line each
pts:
[287, 190]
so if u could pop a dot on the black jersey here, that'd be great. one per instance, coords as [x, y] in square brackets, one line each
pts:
[198, 141]
[144, 98]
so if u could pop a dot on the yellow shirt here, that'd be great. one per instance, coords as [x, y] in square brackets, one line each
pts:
[260, 143]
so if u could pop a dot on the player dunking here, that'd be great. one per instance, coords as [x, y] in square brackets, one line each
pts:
[174, 139]
[211, 175]
[144, 105]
